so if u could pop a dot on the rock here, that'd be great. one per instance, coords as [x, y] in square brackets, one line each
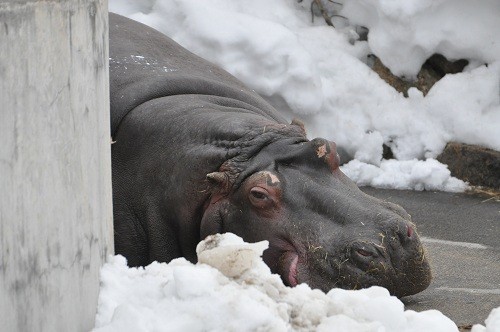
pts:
[443, 66]
[477, 165]
[387, 152]
[432, 71]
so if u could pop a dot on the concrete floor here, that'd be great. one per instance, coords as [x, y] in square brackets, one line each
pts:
[461, 233]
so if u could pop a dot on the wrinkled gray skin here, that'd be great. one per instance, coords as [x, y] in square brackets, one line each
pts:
[198, 153]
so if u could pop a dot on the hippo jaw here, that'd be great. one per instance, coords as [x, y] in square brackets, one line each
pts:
[322, 229]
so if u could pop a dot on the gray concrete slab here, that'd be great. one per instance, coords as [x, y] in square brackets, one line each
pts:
[56, 216]
[461, 233]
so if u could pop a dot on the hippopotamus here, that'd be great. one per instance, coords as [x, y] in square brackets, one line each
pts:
[195, 152]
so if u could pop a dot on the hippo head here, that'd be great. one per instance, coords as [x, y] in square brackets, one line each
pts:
[322, 230]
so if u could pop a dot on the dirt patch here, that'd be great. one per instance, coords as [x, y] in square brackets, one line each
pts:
[475, 164]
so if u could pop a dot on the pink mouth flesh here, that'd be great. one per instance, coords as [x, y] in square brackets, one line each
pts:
[292, 272]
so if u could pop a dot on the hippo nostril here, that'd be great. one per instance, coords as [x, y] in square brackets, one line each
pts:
[406, 234]
[409, 231]
[363, 252]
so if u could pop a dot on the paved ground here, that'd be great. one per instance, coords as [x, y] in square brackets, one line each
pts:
[461, 233]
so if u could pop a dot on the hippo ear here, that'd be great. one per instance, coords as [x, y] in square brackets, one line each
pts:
[219, 179]
[216, 177]
[327, 152]
[297, 122]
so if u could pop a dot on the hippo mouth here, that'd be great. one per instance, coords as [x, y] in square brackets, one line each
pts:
[287, 261]
[288, 265]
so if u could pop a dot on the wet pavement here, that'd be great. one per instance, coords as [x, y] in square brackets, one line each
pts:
[461, 234]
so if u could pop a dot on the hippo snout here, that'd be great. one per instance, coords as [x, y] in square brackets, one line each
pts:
[396, 262]
[385, 251]
[401, 254]
[404, 231]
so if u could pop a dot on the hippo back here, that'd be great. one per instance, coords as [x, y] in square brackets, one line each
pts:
[145, 65]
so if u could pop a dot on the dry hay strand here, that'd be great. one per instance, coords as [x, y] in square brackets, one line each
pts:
[489, 194]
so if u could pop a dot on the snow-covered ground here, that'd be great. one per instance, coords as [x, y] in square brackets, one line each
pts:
[320, 74]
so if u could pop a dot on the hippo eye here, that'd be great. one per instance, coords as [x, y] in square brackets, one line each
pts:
[259, 197]
[259, 193]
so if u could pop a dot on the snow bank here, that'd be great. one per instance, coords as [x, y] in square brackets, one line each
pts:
[410, 174]
[318, 73]
[232, 289]
[403, 34]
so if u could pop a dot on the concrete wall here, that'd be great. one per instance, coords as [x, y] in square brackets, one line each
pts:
[55, 181]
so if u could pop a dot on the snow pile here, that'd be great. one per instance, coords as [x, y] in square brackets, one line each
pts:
[403, 34]
[492, 323]
[232, 289]
[319, 74]
[409, 174]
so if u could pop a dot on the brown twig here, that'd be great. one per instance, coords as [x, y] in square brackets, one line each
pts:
[327, 18]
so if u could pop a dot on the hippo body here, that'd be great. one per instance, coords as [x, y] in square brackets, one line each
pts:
[196, 153]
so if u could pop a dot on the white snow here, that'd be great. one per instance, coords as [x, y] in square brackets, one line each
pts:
[492, 323]
[319, 74]
[409, 174]
[404, 34]
[232, 289]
